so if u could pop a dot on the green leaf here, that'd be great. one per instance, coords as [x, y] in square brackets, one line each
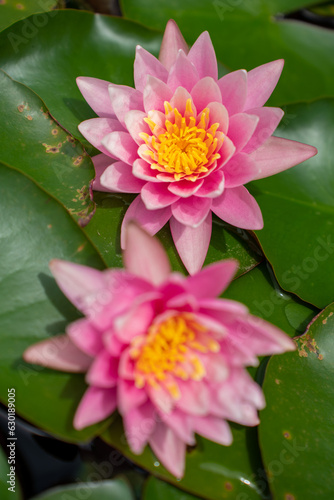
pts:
[226, 241]
[104, 490]
[296, 430]
[72, 44]
[33, 230]
[247, 34]
[14, 10]
[156, 489]
[5, 478]
[33, 143]
[298, 208]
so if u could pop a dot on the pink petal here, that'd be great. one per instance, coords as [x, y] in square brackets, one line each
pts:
[103, 371]
[118, 177]
[96, 129]
[137, 321]
[278, 154]
[58, 353]
[83, 334]
[180, 423]
[144, 256]
[172, 42]
[182, 73]
[269, 119]
[195, 398]
[139, 424]
[169, 449]
[76, 281]
[129, 396]
[192, 243]
[240, 170]
[146, 64]
[191, 211]
[233, 88]
[219, 114]
[150, 220]
[157, 196]
[222, 310]
[238, 207]
[212, 280]
[155, 94]
[213, 185]
[121, 146]
[95, 92]
[213, 428]
[125, 99]
[242, 127]
[184, 189]
[142, 170]
[134, 122]
[101, 162]
[204, 91]
[179, 100]
[161, 398]
[261, 82]
[203, 56]
[96, 405]
[226, 152]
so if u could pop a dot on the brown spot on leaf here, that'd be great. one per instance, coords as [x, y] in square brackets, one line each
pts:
[70, 139]
[306, 343]
[52, 149]
[330, 314]
[277, 381]
[29, 117]
[228, 486]
[2, 2]
[78, 160]
[81, 247]
[19, 6]
[54, 131]
[287, 435]
[324, 321]
[49, 226]
[289, 496]
[21, 106]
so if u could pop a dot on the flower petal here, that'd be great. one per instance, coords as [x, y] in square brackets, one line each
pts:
[146, 64]
[172, 42]
[137, 320]
[95, 92]
[278, 154]
[124, 99]
[180, 423]
[233, 88]
[226, 152]
[212, 280]
[195, 398]
[157, 195]
[239, 208]
[96, 129]
[101, 163]
[118, 177]
[150, 220]
[242, 127]
[219, 114]
[129, 396]
[203, 56]
[134, 122]
[239, 170]
[87, 338]
[192, 243]
[213, 185]
[139, 424]
[269, 119]
[261, 82]
[155, 94]
[182, 74]
[142, 170]
[184, 189]
[144, 256]
[169, 449]
[96, 404]
[103, 371]
[179, 100]
[191, 211]
[121, 146]
[58, 353]
[213, 428]
[204, 91]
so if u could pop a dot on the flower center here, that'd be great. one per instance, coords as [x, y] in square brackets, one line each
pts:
[171, 349]
[184, 146]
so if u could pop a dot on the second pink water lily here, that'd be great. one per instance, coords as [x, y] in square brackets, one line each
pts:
[187, 142]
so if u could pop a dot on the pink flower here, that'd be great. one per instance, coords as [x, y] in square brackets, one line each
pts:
[187, 142]
[161, 349]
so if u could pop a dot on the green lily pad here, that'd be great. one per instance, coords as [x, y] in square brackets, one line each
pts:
[33, 230]
[5, 470]
[226, 241]
[104, 490]
[14, 10]
[247, 34]
[298, 208]
[72, 44]
[157, 489]
[296, 430]
[33, 143]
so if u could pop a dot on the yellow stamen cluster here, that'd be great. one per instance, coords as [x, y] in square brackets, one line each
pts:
[185, 146]
[169, 350]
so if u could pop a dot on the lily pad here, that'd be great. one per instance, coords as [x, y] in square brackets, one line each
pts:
[298, 208]
[247, 34]
[104, 490]
[296, 430]
[33, 143]
[33, 230]
[14, 10]
[157, 489]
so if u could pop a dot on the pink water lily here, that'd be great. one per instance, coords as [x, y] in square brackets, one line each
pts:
[187, 142]
[160, 348]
